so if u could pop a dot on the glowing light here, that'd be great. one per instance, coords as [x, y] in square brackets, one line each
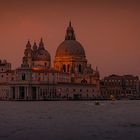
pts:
[37, 69]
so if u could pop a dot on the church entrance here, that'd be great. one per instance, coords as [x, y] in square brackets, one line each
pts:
[34, 93]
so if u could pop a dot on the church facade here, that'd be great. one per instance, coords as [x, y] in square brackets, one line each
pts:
[70, 77]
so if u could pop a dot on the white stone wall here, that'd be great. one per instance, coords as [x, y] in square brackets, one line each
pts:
[49, 84]
[84, 91]
[4, 66]
[6, 76]
[47, 76]
[4, 92]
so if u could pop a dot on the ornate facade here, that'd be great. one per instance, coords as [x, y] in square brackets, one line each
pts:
[70, 78]
[36, 56]
[70, 57]
[120, 86]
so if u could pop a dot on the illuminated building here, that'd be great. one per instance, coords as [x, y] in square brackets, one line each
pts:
[70, 78]
[120, 86]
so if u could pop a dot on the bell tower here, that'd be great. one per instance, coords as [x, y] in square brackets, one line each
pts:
[27, 59]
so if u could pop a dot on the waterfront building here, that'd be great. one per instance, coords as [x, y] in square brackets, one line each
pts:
[120, 86]
[71, 77]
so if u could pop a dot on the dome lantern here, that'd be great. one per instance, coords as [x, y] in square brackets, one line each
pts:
[70, 35]
[70, 47]
[41, 45]
[34, 47]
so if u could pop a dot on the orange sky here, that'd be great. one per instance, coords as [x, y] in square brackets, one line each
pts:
[109, 30]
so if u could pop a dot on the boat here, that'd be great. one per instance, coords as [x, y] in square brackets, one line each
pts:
[112, 98]
[97, 103]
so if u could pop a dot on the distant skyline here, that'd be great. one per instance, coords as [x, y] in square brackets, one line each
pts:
[108, 30]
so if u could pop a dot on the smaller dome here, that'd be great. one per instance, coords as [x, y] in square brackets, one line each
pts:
[43, 55]
[40, 53]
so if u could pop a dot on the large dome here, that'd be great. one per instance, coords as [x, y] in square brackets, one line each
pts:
[70, 48]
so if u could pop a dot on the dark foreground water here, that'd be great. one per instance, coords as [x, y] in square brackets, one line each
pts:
[72, 120]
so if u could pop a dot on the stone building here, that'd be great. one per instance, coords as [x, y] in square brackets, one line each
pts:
[71, 77]
[120, 86]
[70, 57]
[6, 75]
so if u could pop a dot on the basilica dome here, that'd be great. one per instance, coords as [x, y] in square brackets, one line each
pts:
[70, 47]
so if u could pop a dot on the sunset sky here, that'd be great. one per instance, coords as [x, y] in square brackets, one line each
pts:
[109, 30]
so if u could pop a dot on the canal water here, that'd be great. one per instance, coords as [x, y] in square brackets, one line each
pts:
[70, 120]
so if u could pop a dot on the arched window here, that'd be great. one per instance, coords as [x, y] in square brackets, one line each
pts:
[80, 68]
[23, 77]
[84, 81]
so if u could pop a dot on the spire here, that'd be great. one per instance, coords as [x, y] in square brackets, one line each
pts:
[34, 46]
[41, 44]
[97, 72]
[28, 45]
[70, 24]
[70, 35]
